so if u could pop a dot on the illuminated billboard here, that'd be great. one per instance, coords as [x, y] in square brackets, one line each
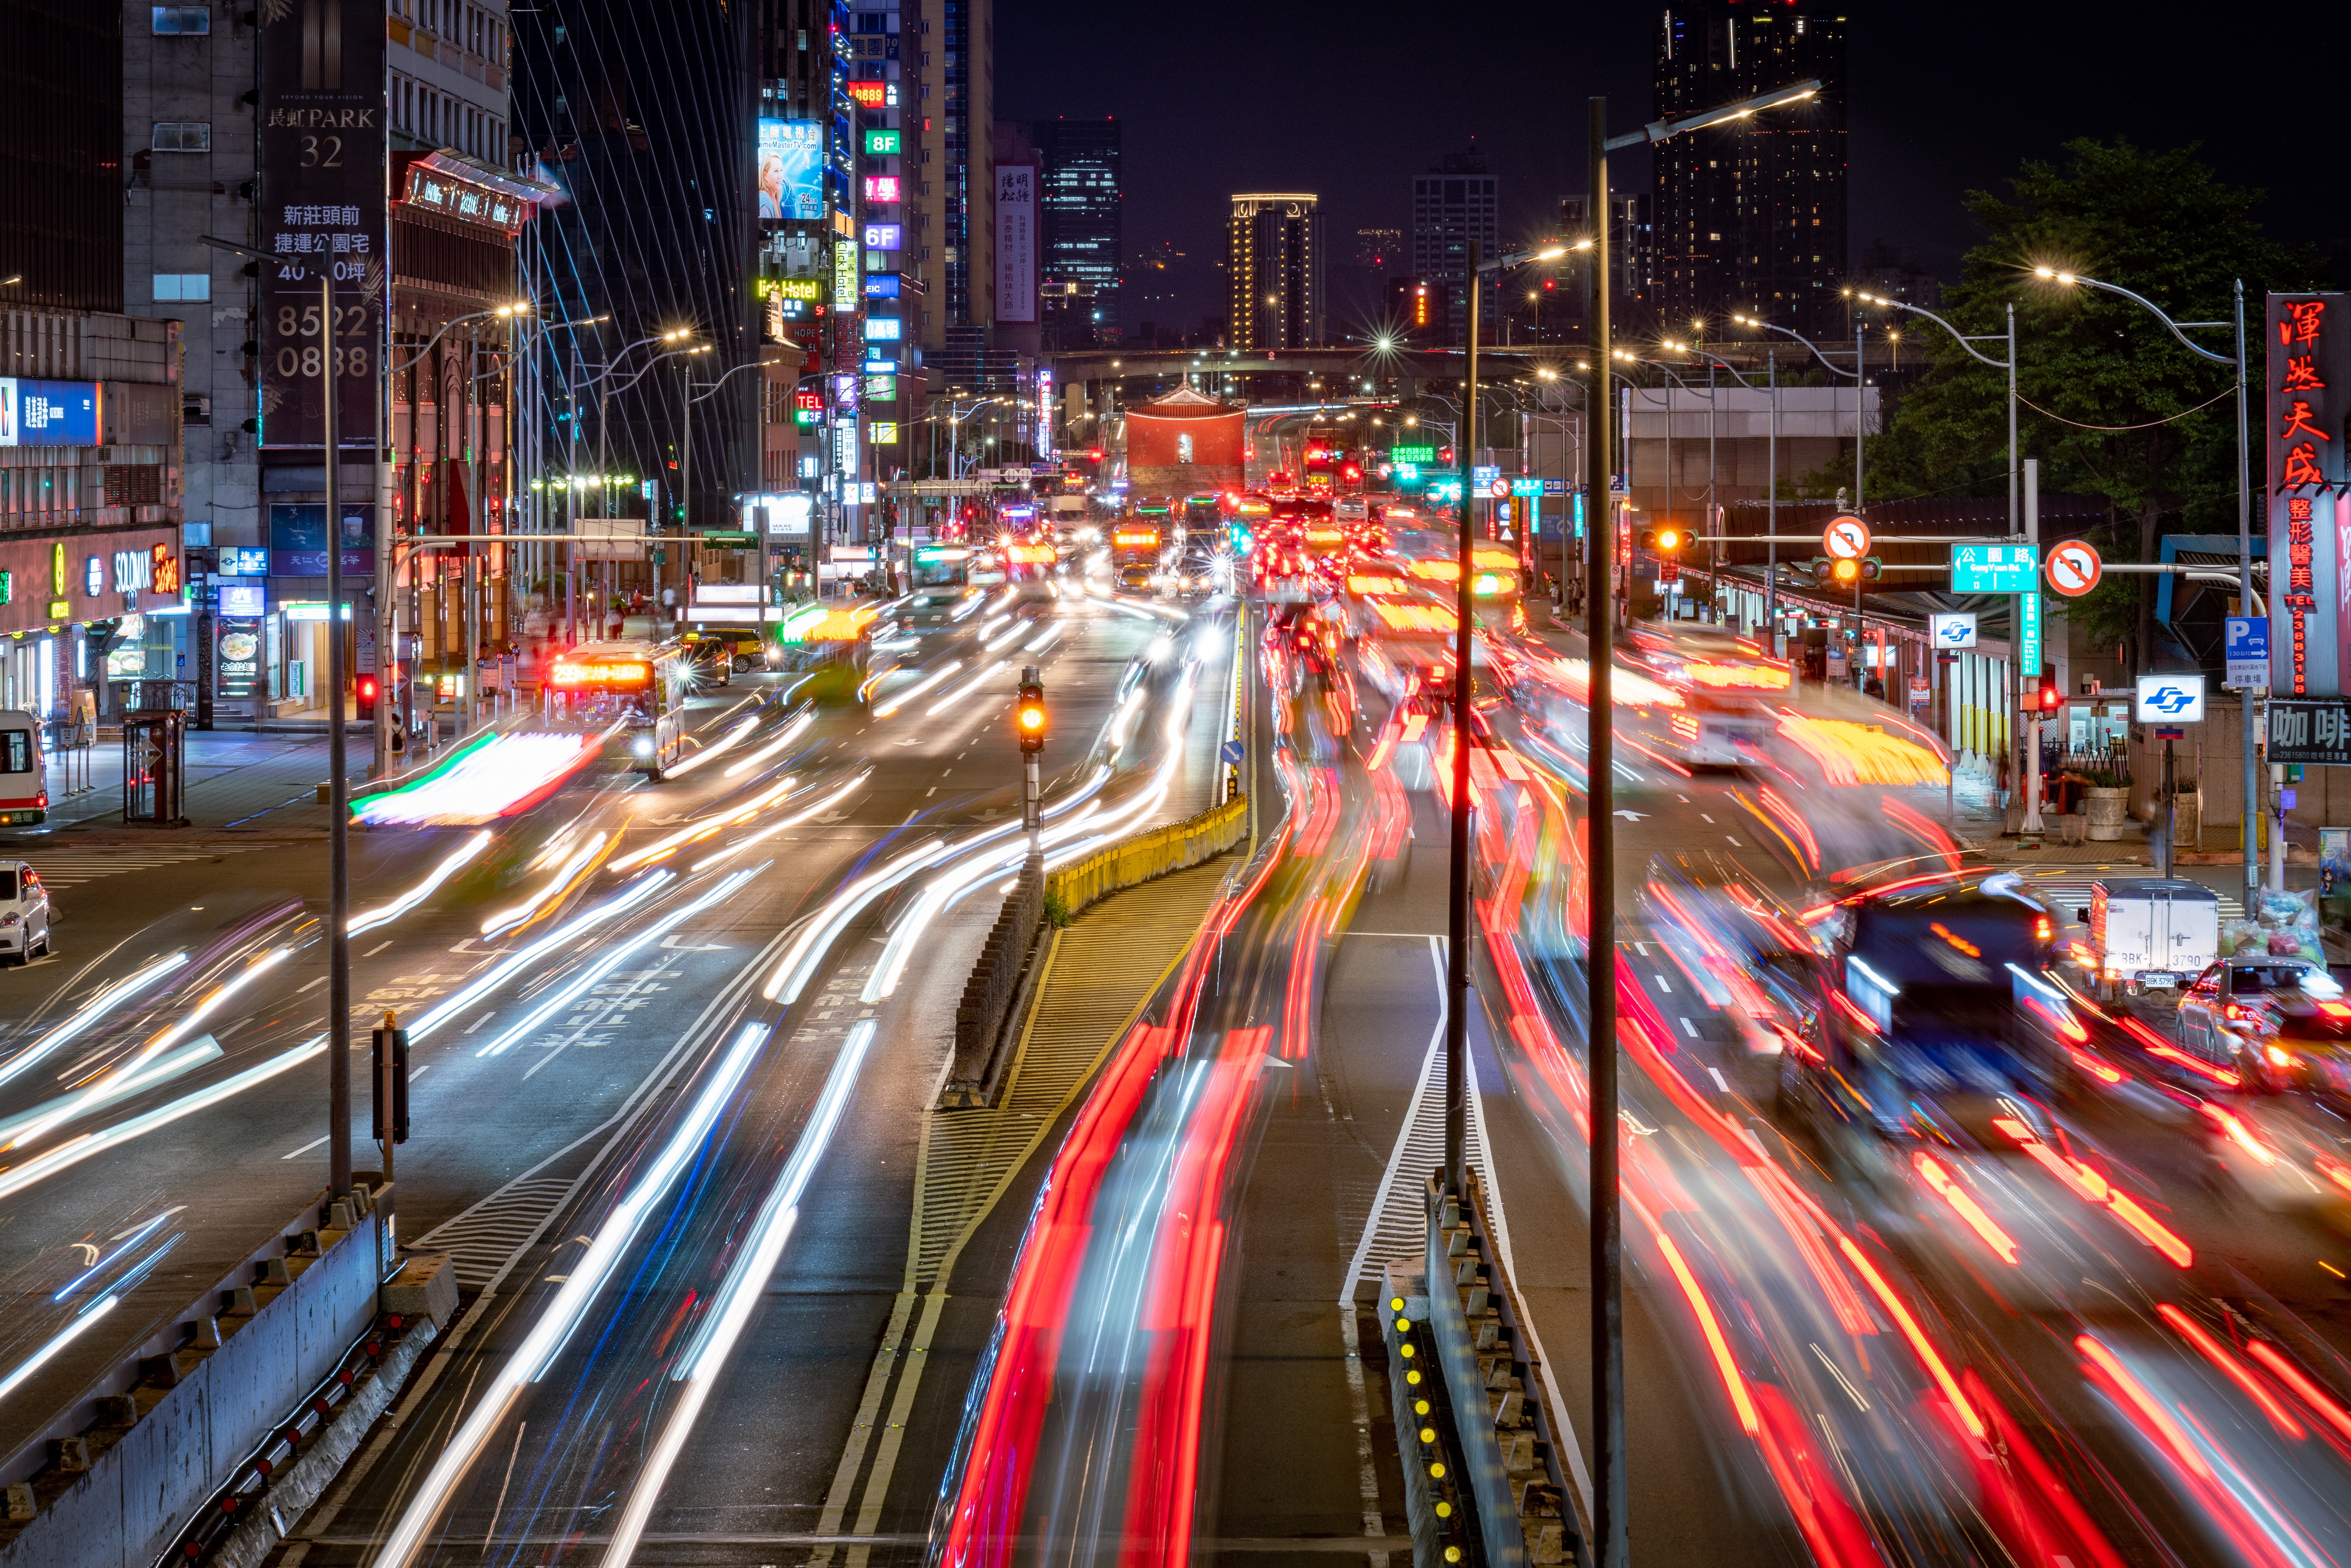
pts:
[47, 414]
[791, 170]
[871, 94]
[880, 187]
[882, 143]
[882, 236]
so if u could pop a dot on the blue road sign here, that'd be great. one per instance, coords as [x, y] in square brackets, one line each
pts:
[1233, 752]
[2246, 650]
[1995, 569]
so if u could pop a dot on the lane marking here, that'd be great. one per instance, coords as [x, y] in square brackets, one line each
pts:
[305, 1148]
[1717, 1074]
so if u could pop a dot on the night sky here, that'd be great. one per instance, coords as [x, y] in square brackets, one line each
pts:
[1350, 102]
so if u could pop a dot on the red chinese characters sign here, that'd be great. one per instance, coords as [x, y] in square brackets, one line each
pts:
[2309, 514]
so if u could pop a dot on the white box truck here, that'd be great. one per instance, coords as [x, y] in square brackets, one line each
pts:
[2151, 933]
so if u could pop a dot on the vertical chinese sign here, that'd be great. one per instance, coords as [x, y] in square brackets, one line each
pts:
[322, 210]
[2309, 394]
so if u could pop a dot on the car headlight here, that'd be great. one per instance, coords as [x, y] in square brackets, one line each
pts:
[11, 921]
[644, 747]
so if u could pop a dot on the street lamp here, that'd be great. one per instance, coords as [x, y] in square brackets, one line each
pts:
[1611, 1547]
[1457, 1011]
[1771, 474]
[2244, 537]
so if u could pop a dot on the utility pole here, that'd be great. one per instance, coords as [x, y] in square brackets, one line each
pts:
[1612, 1547]
[339, 789]
[1457, 956]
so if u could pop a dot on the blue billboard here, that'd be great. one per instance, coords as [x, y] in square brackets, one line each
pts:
[47, 414]
[791, 170]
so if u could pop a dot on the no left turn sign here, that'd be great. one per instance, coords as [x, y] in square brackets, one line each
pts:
[2074, 567]
[1845, 538]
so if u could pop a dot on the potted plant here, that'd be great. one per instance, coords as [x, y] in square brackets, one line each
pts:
[2106, 804]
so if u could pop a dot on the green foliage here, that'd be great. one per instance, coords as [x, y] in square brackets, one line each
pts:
[1056, 909]
[2158, 224]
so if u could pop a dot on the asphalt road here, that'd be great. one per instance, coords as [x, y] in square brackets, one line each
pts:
[210, 1185]
[617, 1411]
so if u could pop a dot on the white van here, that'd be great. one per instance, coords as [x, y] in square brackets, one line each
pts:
[24, 774]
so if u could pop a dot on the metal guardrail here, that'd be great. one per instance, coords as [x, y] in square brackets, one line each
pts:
[1136, 860]
[1507, 1436]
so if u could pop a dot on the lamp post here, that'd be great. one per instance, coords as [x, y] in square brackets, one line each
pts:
[1457, 1010]
[685, 458]
[1771, 470]
[338, 795]
[2244, 538]
[2031, 529]
[1860, 415]
[1610, 1548]
[1676, 381]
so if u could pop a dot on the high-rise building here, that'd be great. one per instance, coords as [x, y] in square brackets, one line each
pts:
[1274, 271]
[1453, 204]
[951, 217]
[1082, 233]
[61, 183]
[1751, 217]
[1632, 257]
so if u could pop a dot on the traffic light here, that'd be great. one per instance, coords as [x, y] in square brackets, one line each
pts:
[2048, 699]
[367, 697]
[1665, 541]
[1832, 572]
[1028, 716]
[395, 1041]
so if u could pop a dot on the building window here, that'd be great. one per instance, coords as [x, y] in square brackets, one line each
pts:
[183, 19]
[182, 136]
[195, 286]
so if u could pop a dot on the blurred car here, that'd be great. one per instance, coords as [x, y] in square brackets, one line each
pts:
[713, 659]
[2233, 1009]
[23, 913]
[1134, 578]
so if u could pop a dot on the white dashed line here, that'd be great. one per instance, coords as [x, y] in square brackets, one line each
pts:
[1715, 1073]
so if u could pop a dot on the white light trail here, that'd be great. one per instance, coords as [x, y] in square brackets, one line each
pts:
[384, 914]
[585, 1282]
[964, 692]
[18, 1178]
[40, 1357]
[27, 1125]
[620, 904]
[563, 996]
[918, 688]
[793, 732]
[724, 743]
[505, 918]
[818, 810]
[746, 1282]
[96, 1007]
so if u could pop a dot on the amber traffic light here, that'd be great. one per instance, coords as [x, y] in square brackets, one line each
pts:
[1028, 716]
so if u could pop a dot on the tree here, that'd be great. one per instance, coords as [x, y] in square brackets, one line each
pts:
[2113, 402]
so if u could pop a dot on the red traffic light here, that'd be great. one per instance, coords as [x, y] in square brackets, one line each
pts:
[367, 697]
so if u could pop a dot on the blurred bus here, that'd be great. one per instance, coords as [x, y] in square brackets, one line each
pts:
[633, 692]
[1137, 540]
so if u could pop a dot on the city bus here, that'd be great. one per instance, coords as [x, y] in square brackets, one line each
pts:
[1137, 540]
[633, 692]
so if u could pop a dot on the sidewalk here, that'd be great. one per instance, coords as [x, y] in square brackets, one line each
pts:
[238, 783]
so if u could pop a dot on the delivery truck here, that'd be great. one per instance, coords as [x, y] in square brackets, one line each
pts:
[2151, 933]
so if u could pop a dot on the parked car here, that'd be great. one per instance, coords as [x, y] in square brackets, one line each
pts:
[23, 913]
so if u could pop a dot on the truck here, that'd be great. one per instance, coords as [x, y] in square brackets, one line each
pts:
[2150, 933]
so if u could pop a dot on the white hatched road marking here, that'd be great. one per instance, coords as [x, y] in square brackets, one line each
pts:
[71, 868]
[486, 1236]
[1397, 1225]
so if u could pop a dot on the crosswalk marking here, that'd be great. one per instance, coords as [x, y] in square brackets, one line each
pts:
[71, 868]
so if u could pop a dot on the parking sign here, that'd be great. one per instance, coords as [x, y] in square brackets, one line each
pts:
[2246, 640]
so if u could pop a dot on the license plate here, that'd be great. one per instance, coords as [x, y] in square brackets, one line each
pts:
[2159, 980]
